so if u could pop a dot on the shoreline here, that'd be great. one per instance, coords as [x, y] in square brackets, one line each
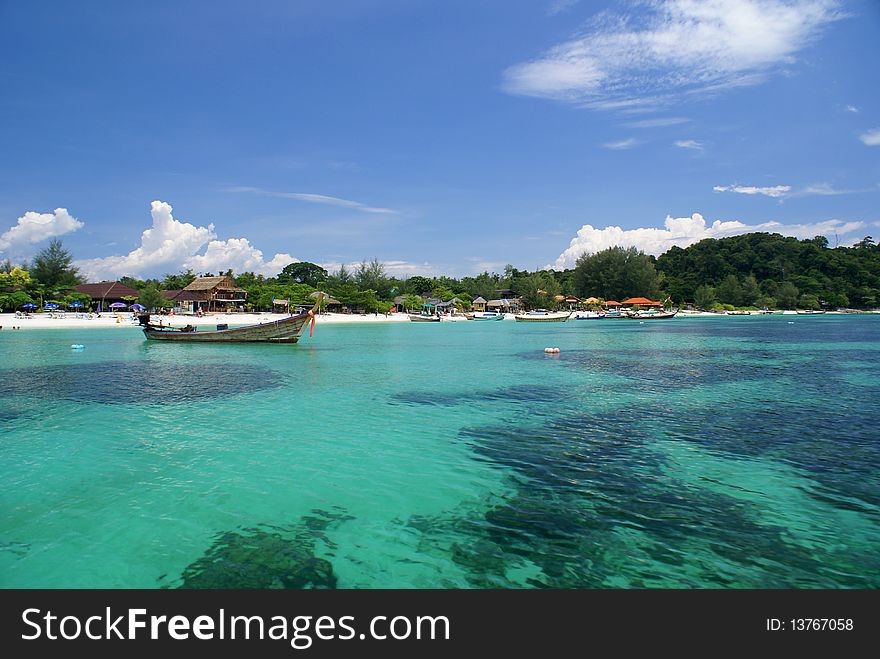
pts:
[119, 320]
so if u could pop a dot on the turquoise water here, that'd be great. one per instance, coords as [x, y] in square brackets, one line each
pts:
[732, 452]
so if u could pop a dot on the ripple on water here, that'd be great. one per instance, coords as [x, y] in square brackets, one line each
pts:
[136, 382]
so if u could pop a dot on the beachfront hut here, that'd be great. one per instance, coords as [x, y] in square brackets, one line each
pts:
[217, 294]
[643, 303]
[184, 301]
[479, 304]
[328, 301]
[503, 305]
[106, 293]
[611, 304]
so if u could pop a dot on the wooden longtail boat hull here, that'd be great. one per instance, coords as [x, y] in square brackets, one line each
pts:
[286, 330]
[424, 319]
[549, 318]
[652, 316]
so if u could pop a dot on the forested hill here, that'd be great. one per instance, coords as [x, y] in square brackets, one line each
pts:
[767, 269]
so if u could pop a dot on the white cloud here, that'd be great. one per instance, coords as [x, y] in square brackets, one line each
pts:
[852, 108]
[660, 122]
[312, 198]
[684, 231]
[689, 144]
[399, 269]
[622, 144]
[238, 254]
[32, 227]
[559, 6]
[871, 138]
[170, 244]
[676, 48]
[772, 191]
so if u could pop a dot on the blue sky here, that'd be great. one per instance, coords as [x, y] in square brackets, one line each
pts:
[439, 136]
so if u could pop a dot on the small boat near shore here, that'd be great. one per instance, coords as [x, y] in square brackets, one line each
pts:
[419, 318]
[541, 316]
[651, 315]
[488, 316]
[286, 330]
[588, 315]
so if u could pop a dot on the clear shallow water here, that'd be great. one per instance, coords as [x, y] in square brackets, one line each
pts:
[736, 452]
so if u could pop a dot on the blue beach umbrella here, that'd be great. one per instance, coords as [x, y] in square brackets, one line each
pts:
[51, 305]
[76, 304]
[118, 305]
[138, 307]
[29, 306]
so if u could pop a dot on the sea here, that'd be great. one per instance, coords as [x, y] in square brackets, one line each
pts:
[736, 452]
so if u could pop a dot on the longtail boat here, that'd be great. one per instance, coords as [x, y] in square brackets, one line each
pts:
[652, 315]
[541, 316]
[286, 330]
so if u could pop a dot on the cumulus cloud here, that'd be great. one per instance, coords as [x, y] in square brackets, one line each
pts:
[684, 231]
[689, 144]
[852, 108]
[772, 191]
[676, 48]
[238, 254]
[871, 138]
[313, 199]
[170, 244]
[32, 227]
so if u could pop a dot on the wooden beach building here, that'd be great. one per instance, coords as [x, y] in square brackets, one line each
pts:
[106, 293]
[216, 294]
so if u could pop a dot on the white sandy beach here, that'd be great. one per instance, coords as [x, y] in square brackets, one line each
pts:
[46, 321]
[107, 320]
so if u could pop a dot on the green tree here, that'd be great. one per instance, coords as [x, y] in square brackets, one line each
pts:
[53, 267]
[179, 281]
[371, 275]
[152, 299]
[411, 302]
[303, 272]
[704, 297]
[787, 295]
[751, 291]
[537, 290]
[14, 277]
[419, 285]
[615, 273]
[729, 291]
[12, 300]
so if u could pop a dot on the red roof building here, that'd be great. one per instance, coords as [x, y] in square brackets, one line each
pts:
[642, 302]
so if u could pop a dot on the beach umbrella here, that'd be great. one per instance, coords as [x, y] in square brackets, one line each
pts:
[51, 305]
[118, 305]
[138, 307]
[76, 304]
[29, 306]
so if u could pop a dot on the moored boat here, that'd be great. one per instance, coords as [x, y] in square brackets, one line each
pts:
[588, 315]
[418, 318]
[488, 315]
[652, 315]
[541, 316]
[286, 330]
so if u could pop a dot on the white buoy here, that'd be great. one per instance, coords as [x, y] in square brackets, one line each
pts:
[77, 346]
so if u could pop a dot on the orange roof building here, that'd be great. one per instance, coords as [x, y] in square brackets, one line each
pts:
[611, 303]
[642, 302]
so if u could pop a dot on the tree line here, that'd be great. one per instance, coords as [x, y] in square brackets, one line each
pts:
[753, 270]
